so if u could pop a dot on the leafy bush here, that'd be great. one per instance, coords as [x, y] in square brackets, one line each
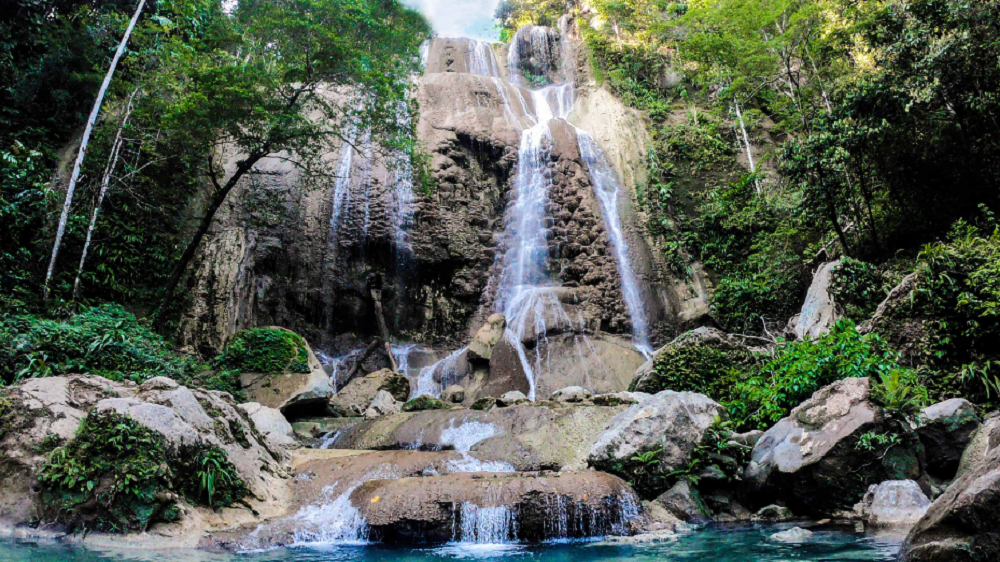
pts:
[801, 368]
[858, 287]
[109, 476]
[900, 392]
[116, 475]
[105, 340]
[266, 350]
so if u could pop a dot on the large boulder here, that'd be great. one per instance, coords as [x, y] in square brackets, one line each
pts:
[894, 503]
[382, 405]
[271, 424]
[528, 436]
[289, 392]
[945, 430]
[684, 502]
[572, 394]
[354, 399]
[819, 311]
[985, 438]
[36, 416]
[488, 336]
[666, 427]
[818, 460]
[961, 525]
[696, 360]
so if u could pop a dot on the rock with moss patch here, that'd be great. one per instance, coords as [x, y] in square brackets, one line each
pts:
[945, 430]
[277, 369]
[684, 502]
[424, 402]
[512, 398]
[700, 360]
[484, 403]
[822, 458]
[572, 394]
[623, 398]
[773, 513]
[454, 394]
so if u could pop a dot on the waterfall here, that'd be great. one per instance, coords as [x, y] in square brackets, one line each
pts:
[530, 43]
[607, 189]
[466, 436]
[484, 525]
[482, 61]
[444, 370]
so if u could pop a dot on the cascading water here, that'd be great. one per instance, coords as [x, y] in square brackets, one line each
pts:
[466, 436]
[482, 61]
[484, 525]
[607, 189]
[530, 43]
[444, 371]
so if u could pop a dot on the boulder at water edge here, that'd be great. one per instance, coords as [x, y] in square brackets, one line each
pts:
[290, 391]
[647, 379]
[684, 502]
[963, 525]
[271, 423]
[571, 394]
[945, 430]
[812, 460]
[382, 405]
[894, 503]
[666, 427]
[488, 336]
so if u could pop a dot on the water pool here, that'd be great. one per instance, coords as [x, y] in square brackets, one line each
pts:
[713, 544]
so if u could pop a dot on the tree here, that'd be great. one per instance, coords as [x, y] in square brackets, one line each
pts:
[290, 77]
[91, 121]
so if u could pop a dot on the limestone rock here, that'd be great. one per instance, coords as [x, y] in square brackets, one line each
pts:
[809, 460]
[488, 336]
[619, 398]
[512, 398]
[270, 423]
[354, 399]
[382, 405]
[532, 436]
[773, 513]
[793, 535]
[290, 391]
[521, 506]
[571, 394]
[961, 525]
[424, 402]
[454, 394]
[984, 439]
[645, 379]
[945, 430]
[819, 311]
[669, 422]
[894, 503]
[685, 503]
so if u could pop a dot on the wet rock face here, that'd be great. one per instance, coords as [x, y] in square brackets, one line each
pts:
[961, 525]
[812, 460]
[529, 436]
[508, 507]
[534, 56]
[945, 430]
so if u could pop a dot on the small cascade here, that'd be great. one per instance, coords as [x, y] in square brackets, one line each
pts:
[466, 436]
[484, 525]
[336, 522]
[342, 185]
[329, 439]
[402, 197]
[337, 366]
[444, 370]
[482, 61]
[607, 189]
[401, 353]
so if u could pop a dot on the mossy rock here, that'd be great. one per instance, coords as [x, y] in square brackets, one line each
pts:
[425, 402]
[398, 386]
[266, 350]
[484, 403]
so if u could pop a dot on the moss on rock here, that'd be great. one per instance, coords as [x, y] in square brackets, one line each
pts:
[266, 350]
[398, 386]
[425, 402]
[484, 403]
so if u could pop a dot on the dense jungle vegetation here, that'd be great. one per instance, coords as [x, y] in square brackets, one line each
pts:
[786, 133]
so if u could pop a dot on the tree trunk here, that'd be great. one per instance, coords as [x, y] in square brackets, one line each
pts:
[220, 197]
[105, 182]
[64, 216]
[377, 297]
[746, 142]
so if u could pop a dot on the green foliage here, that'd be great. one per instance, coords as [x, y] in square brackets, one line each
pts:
[711, 369]
[115, 475]
[265, 350]
[801, 368]
[425, 402]
[218, 484]
[105, 340]
[108, 477]
[900, 392]
[858, 287]
[484, 403]
[632, 72]
[874, 441]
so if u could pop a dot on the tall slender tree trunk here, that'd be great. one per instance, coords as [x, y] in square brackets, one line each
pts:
[206, 222]
[64, 216]
[746, 142]
[105, 182]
